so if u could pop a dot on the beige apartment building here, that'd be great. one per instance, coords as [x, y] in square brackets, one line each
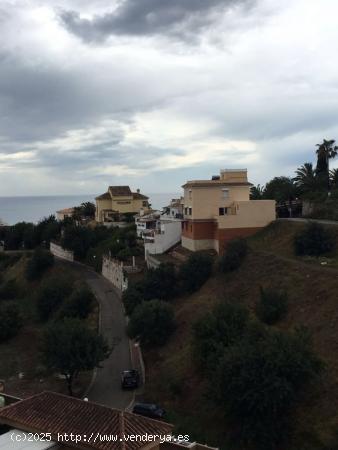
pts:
[119, 200]
[220, 209]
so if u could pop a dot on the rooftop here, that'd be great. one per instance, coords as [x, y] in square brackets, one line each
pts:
[54, 413]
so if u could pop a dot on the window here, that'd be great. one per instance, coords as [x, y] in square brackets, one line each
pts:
[144, 203]
[186, 211]
[225, 193]
[223, 211]
[190, 211]
[190, 194]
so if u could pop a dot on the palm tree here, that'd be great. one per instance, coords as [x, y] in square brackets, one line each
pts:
[326, 151]
[305, 178]
[257, 192]
[334, 177]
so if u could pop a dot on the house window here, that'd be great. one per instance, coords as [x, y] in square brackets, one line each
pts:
[190, 211]
[223, 211]
[190, 194]
[225, 193]
[191, 228]
[144, 203]
[186, 211]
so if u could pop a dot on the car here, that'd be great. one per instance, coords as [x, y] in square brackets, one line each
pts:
[130, 379]
[149, 410]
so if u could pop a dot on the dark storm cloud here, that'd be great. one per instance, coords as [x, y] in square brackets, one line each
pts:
[181, 18]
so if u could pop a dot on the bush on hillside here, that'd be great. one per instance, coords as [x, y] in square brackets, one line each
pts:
[224, 326]
[234, 255]
[78, 305]
[314, 240]
[272, 306]
[9, 290]
[133, 297]
[152, 323]
[160, 283]
[11, 321]
[51, 294]
[258, 382]
[195, 271]
[41, 261]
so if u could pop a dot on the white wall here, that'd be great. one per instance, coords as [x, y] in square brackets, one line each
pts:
[60, 252]
[171, 232]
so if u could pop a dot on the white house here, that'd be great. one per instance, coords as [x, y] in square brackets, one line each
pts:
[166, 234]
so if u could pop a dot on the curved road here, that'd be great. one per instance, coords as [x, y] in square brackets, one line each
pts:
[106, 386]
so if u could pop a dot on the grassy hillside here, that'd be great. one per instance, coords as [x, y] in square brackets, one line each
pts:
[20, 355]
[173, 381]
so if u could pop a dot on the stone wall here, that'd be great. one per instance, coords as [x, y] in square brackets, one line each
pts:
[113, 270]
[60, 252]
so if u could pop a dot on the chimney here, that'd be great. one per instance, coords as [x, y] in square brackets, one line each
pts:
[138, 191]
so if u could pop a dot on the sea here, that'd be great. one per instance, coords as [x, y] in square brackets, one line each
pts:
[33, 209]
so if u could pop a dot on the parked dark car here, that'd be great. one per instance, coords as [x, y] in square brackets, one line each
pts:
[130, 379]
[149, 410]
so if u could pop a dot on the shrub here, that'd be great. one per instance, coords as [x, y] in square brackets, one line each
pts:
[124, 254]
[9, 290]
[51, 294]
[314, 240]
[152, 323]
[225, 325]
[195, 271]
[39, 263]
[235, 253]
[79, 304]
[133, 297]
[258, 382]
[272, 307]
[11, 321]
[160, 283]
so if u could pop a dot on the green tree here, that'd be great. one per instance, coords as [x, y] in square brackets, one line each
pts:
[152, 323]
[51, 294]
[257, 192]
[305, 178]
[79, 304]
[258, 382]
[195, 271]
[69, 347]
[325, 151]
[133, 297]
[281, 189]
[334, 178]
[160, 283]
[234, 254]
[314, 240]
[213, 332]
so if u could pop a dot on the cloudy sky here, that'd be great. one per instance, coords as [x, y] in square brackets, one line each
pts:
[154, 92]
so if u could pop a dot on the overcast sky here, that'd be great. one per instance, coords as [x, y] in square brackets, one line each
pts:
[154, 92]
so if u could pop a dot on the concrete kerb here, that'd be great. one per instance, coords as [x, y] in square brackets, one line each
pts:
[119, 294]
[94, 375]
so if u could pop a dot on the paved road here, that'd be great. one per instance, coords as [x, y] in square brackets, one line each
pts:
[106, 388]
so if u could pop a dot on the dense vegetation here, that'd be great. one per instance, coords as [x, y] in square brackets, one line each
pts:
[151, 319]
[314, 240]
[256, 373]
[318, 185]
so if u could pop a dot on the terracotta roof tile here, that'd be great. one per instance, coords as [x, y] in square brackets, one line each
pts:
[120, 191]
[105, 196]
[54, 413]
